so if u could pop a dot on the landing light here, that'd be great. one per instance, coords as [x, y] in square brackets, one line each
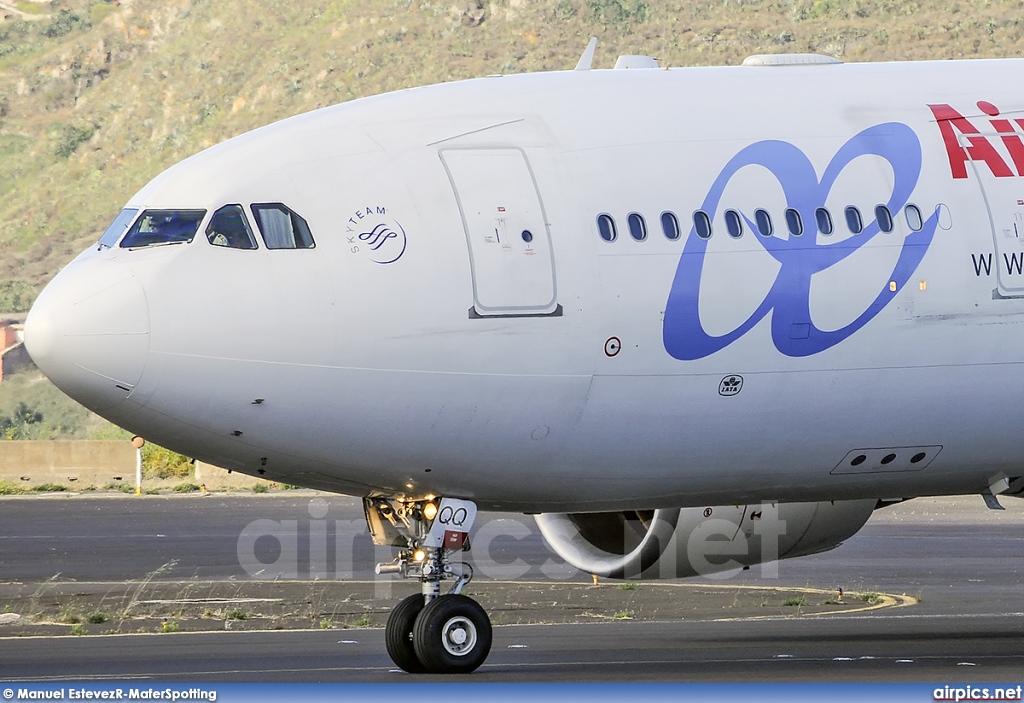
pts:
[429, 511]
[419, 555]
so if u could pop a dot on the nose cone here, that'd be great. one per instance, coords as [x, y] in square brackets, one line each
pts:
[89, 332]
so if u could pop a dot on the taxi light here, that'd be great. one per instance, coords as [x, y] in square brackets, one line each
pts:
[429, 511]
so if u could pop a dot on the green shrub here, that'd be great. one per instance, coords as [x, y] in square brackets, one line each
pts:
[71, 137]
[158, 462]
[64, 22]
[15, 295]
[19, 424]
[185, 488]
[618, 11]
[260, 488]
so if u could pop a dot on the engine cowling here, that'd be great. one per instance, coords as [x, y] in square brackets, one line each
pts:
[679, 542]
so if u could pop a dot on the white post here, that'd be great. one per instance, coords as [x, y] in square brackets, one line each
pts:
[138, 443]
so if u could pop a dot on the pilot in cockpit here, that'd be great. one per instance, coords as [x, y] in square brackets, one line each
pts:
[228, 228]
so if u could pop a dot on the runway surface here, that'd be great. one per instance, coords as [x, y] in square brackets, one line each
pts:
[962, 561]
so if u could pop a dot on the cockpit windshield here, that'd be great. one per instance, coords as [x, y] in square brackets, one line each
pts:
[117, 227]
[163, 227]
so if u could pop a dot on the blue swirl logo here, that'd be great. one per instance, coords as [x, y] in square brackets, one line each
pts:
[799, 257]
[386, 242]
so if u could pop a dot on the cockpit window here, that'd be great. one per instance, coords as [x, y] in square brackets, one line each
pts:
[117, 227]
[163, 227]
[229, 228]
[281, 227]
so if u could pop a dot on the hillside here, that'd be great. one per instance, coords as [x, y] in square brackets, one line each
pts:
[97, 97]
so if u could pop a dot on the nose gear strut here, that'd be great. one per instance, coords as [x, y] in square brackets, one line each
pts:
[430, 632]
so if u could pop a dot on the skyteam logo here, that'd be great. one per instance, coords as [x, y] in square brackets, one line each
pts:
[385, 242]
[788, 301]
[377, 235]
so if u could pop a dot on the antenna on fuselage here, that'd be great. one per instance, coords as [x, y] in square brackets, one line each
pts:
[587, 59]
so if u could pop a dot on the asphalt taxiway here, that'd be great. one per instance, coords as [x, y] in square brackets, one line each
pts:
[960, 562]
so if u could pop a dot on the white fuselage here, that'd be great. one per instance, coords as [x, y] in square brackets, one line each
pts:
[424, 346]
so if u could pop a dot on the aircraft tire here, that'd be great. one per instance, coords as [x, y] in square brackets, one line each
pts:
[452, 635]
[398, 634]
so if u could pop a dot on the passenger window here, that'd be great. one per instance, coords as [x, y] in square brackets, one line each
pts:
[914, 219]
[163, 227]
[733, 224]
[117, 227]
[229, 228]
[606, 226]
[764, 223]
[702, 224]
[824, 219]
[281, 227]
[854, 220]
[884, 218]
[794, 222]
[670, 225]
[637, 226]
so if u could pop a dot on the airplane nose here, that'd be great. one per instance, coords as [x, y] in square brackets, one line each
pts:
[89, 332]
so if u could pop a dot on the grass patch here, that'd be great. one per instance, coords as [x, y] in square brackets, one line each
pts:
[78, 629]
[9, 489]
[49, 488]
[119, 486]
[629, 586]
[169, 626]
[794, 602]
[186, 488]
[363, 622]
[33, 8]
[260, 488]
[326, 624]
[237, 614]
[623, 615]
[97, 618]
[871, 598]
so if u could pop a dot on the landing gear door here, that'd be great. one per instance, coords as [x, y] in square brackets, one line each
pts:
[1004, 200]
[507, 232]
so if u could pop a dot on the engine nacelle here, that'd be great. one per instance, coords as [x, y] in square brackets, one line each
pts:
[678, 542]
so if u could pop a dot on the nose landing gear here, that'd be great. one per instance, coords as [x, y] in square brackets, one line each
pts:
[431, 632]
